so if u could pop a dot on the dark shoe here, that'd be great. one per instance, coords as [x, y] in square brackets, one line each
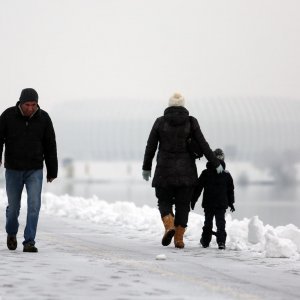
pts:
[30, 248]
[222, 246]
[12, 242]
[204, 245]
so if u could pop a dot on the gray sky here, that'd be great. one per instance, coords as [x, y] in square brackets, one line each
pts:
[138, 49]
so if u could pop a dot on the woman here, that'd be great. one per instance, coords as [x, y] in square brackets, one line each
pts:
[176, 172]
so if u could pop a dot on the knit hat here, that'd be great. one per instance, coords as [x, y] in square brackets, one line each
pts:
[176, 100]
[219, 154]
[29, 94]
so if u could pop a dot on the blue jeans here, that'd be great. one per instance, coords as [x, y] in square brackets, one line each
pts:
[15, 181]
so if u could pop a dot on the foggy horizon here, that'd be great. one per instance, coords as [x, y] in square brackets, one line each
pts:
[261, 131]
[136, 49]
[129, 57]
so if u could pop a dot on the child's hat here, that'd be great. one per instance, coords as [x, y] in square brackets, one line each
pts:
[219, 154]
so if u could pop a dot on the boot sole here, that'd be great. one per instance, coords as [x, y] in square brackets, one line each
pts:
[179, 245]
[167, 239]
[30, 251]
[12, 246]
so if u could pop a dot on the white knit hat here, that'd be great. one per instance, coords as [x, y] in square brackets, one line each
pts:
[176, 100]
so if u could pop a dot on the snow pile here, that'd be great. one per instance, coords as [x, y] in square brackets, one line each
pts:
[242, 235]
[255, 230]
[281, 241]
[122, 214]
[279, 247]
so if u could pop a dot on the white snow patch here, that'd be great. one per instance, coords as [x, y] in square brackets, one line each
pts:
[279, 247]
[242, 235]
[255, 230]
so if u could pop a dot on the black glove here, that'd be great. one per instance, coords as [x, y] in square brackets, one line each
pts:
[193, 203]
[232, 209]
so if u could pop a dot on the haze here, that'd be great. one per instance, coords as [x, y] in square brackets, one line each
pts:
[137, 49]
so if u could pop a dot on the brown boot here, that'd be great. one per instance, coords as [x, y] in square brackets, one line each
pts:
[178, 238]
[168, 221]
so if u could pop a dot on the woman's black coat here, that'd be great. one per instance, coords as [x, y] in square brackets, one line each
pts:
[175, 166]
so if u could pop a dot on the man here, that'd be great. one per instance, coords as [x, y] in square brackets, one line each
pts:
[29, 138]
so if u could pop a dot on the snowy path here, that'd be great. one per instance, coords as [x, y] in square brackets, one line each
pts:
[81, 260]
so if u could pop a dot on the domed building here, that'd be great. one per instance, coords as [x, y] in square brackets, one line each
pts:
[257, 130]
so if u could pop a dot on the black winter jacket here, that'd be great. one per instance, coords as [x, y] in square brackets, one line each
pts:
[175, 166]
[218, 188]
[28, 141]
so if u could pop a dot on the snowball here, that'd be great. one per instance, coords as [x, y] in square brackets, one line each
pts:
[161, 257]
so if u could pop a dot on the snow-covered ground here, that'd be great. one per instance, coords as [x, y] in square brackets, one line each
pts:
[92, 249]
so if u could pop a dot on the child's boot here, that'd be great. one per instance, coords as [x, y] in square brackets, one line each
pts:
[206, 237]
[222, 246]
[221, 239]
[203, 243]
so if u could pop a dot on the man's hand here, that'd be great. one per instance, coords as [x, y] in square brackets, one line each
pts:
[146, 174]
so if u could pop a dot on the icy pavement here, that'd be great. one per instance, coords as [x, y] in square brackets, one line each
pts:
[81, 260]
[92, 249]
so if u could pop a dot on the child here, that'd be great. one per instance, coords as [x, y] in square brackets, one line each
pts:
[218, 195]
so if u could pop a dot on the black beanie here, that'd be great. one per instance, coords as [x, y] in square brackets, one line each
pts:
[219, 153]
[29, 94]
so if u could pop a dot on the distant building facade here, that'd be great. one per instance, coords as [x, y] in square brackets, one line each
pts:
[259, 130]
